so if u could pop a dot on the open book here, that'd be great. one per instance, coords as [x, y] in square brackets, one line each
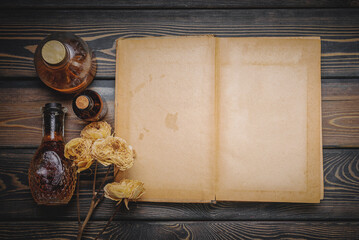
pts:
[226, 119]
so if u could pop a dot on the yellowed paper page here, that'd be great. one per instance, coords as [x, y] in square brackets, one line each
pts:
[269, 137]
[165, 110]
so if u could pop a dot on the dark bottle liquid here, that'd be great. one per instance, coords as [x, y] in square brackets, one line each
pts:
[89, 106]
[52, 177]
[64, 62]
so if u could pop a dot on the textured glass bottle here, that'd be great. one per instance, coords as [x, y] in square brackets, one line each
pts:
[89, 106]
[64, 62]
[52, 177]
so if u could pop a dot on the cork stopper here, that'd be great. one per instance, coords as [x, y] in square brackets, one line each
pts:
[53, 52]
[82, 102]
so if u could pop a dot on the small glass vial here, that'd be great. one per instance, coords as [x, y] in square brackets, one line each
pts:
[52, 177]
[89, 106]
[64, 62]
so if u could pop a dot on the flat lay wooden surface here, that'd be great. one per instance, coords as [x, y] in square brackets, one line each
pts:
[23, 24]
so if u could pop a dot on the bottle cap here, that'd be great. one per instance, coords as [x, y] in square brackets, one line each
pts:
[54, 106]
[53, 52]
[82, 102]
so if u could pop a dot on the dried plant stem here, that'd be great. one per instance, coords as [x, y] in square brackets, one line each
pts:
[109, 221]
[94, 202]
[104, 179]
[94, 181]
[117, 173]
[78, 200]
[99, 199]
[89, 214]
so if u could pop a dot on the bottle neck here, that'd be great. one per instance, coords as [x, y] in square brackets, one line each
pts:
[53, 126]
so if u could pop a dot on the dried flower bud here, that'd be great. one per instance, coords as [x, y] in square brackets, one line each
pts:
[96, 130]
[79, 150]
[125, 189]
[113, 150]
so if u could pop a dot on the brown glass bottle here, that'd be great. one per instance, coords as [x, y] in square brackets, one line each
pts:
[64, 62]
[89, 106]
[52, 177]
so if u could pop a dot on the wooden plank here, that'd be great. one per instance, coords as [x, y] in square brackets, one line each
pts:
[21, 31]
[341, 202]
[340, 112]
[186, 4]
[183, 230]
[21, 101]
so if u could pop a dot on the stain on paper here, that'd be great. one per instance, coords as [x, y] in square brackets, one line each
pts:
[141, 136]
[142, 133]
[140, 86]
[171, 121]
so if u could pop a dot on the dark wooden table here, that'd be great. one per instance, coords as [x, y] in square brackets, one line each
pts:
[100, 23]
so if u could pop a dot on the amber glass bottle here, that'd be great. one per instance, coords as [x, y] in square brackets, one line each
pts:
[52, 177]
[89, 106]
[64, 62]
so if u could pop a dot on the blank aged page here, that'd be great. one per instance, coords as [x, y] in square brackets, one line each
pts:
[165, 110]
[269, 119]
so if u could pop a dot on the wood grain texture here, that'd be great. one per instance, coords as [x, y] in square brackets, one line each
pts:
[25, 23]
[340, 112]
[184, 230]
[21, 31]
[186, 4]
[21, 101]
[341, 202]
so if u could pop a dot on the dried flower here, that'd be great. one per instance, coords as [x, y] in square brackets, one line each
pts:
[125, 189]
[113, 150]
[79, 150]
[96, 130]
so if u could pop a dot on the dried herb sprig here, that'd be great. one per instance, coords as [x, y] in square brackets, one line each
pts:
[126, 190]
[97, 145]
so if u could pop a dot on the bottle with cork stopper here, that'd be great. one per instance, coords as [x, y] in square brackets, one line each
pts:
[52, 177]
[64, 62]
[89, 106]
